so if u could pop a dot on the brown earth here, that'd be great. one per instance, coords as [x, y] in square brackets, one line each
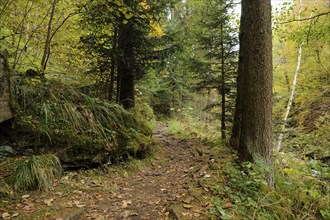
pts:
[175, 183]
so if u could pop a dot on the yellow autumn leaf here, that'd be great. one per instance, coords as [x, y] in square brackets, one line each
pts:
[129, 16]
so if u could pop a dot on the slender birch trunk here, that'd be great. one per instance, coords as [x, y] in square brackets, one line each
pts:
[295, 79]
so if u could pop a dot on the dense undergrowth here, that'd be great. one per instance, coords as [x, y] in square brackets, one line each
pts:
[296, 195]
[301, 185]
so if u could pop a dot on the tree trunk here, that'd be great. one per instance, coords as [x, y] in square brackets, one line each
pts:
[113, 65]
[223, 87]
[118, 85]
[46, 53]
[255, 140]
[236, 130]
[126, 96]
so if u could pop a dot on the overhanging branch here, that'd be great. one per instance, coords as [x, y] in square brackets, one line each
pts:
[304, 19]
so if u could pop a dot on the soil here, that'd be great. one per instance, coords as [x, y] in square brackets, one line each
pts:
[175, 183]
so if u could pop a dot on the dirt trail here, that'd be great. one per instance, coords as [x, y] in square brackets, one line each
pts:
[174, 184]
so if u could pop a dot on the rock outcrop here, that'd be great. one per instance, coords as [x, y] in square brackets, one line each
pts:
[5, 101]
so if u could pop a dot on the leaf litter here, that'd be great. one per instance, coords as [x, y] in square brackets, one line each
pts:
[174, 183]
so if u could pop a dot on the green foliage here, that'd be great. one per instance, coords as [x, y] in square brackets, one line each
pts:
[304, 184]
[297, 193]
[206, 60]
[247, 189]
[194, 122]
[35, 172]
[23, 31]
[177, 128]
[307, 133]
[120, 39]
[311, 141]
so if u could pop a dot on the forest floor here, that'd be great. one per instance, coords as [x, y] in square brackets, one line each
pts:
[175, 183]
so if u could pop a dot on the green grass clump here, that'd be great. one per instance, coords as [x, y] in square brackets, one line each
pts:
[35, 172]
[5, 190]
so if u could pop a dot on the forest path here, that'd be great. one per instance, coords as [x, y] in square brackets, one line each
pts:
[174, 184]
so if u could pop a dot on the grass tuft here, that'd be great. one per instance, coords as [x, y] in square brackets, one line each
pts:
[35, 172]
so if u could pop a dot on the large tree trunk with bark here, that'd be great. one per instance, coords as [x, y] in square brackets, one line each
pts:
[255, 83]
[125, 83]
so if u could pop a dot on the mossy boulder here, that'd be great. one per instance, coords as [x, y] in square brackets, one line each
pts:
[5, 100]
[81, 130]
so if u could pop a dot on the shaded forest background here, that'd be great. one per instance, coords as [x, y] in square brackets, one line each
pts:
[101, 73]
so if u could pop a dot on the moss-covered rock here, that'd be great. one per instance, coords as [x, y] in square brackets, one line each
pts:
[80, 129]
[5, 101]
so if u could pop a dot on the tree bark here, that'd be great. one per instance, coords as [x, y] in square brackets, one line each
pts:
[236, 130]
[255, 82]
[113, 65]
[126, 95]
[223, 86]
[46, 53]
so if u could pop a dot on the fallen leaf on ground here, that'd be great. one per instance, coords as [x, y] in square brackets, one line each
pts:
[189, 170]
[187, 206]
[186, 214]
[25, 196]
[59, 193]
[126, 203]
[5, 215]
[48, 201]
[188, 200]
[15, 215]
[202, 170]
[78, 191]
[227, 205]
[78, 204]
[69, 204]
[197, 215]
[29, 208]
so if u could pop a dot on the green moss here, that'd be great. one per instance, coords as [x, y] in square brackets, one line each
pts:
[58, 116]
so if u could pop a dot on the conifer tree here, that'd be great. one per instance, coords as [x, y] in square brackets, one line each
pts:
[253, 139]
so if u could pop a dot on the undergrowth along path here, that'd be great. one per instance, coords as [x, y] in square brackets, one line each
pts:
[174, 184]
